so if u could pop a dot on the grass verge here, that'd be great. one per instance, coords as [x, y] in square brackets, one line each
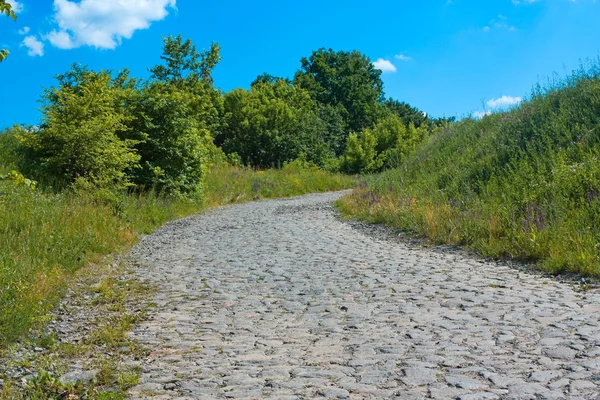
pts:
[523, 184]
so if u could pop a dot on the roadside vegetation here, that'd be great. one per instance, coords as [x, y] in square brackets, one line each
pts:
[523, 183]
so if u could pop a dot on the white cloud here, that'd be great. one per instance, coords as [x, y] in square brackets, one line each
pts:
[402, 57]
[384, 65]
[481, 114]
[500, 23]
[24, 31]
[16, 5]
[103, 23]
[35, 47]
[504, 101]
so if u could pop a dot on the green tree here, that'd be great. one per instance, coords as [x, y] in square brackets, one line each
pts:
[268, 78]
[178, 111]
[183, 63]
[271, 124]
[7, 10]
[407, 113]
[336, 127]
[79, 138]
[344, 78]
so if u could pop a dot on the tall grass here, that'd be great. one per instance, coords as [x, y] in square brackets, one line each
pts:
[522, 183]
[45, 238]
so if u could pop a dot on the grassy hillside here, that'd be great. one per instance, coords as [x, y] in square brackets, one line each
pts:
[45, 238]
[522, 183]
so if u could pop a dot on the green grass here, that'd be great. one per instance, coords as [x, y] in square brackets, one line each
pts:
[45, 238]
[522, 183]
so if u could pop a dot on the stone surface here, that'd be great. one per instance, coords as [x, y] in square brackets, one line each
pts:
[282, 300]
[74, 377]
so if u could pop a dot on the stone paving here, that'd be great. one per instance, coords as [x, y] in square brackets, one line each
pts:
[282, 300]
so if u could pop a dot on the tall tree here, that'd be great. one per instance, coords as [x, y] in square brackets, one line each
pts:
[271, 124]
[344, 78]
[7, 10]
[179, 110]
[183, 62]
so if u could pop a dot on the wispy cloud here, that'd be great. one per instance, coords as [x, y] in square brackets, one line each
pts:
[384, 65]
[504, 101]
[17, 6]
[499, 23]
[103, 24]
[24, 31]
[402, 57]
[34, 46]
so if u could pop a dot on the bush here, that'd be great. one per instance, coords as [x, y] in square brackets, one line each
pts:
[79, 136]
[178, 146]
[384, 146]
[8, 149]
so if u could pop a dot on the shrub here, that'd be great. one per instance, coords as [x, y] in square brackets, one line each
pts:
[384, 146]
[178, 145]
[79, 135]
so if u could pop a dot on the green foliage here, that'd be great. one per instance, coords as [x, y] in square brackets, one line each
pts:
[384, 146]
[361, 155]
[9, 145]
[348, 79]
[176, 122]
[268, 78]
[18, 179]
[79, 138]
[178, 111]
[407, 113]
[271, 124]
[184, 63]
[523, 183]
[7, 10]
[335, 127]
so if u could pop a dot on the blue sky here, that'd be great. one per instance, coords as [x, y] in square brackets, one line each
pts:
[448, 58]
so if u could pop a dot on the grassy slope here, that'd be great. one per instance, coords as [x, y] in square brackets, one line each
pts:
[522, 184]
[45, 238]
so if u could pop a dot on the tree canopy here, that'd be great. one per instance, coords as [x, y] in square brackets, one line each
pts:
[343, 78]
[271, 124]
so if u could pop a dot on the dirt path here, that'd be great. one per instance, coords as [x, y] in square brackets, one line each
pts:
[281, 300]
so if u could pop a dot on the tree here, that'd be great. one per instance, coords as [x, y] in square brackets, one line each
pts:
[407, 113]
[271, 124]
[7, 10]
[344, 78]
[79, 138]
[179, 111]
[184, 63]
[268, 78]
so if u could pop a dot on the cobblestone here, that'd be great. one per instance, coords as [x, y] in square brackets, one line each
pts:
[281, 299]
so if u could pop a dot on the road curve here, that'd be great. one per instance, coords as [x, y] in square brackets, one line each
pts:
[281, 300]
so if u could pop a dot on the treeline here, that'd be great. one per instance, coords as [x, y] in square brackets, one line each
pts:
[106, 131]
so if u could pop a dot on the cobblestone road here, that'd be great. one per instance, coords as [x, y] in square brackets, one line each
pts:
[281, 300]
